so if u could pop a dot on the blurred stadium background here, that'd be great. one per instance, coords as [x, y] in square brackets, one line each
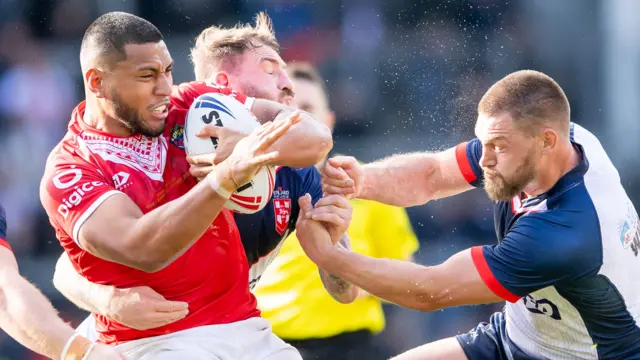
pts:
[404, 75]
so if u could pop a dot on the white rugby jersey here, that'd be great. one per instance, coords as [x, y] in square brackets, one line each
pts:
[567, 261]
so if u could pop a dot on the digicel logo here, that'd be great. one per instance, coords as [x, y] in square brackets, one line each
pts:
[70, 178]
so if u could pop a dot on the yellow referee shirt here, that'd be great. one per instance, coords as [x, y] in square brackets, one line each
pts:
[291, 295]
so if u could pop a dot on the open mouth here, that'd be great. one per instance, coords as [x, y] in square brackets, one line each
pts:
[160, 111]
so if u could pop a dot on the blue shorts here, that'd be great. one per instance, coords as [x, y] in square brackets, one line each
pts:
[490, 342]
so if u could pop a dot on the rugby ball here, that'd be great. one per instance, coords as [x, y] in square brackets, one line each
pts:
[224, 110]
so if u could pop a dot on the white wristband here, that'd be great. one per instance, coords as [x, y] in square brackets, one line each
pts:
[212, 180]
[68, 345]
[86, 355]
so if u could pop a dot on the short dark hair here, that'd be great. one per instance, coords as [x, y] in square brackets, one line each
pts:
[530, 97]
[106, 37]
[306, 71]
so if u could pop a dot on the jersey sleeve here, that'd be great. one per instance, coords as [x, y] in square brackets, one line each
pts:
[468, 156]
[71, 193]
[3, 228]
[311, 184]
[536, 253]
[392, 233]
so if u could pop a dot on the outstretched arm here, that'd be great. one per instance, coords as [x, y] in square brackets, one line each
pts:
[453, 283]
[27, 316]
[339, 289]
[405, 179]
[109, 225]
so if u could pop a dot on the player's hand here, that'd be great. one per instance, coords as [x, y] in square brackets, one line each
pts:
[104, 352]
[343, 175]
[335, 212]
[314, 237]
[227, 140]
[252, 152]
[142, 308]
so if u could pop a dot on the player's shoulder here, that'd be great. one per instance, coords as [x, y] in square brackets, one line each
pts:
[567, 229]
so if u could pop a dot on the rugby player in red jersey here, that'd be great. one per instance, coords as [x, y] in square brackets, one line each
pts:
[128, 213]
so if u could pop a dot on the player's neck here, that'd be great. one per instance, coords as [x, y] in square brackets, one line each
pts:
[564, 161]
[96, 118]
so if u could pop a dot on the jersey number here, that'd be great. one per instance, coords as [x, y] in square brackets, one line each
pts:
[542, 306]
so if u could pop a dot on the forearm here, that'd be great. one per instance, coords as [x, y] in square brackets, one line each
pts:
[305, 144]
[168, 231]
[27, 316]
[339, 289]
[84, 294]
[121, 233]
[400, 282]
[413, 179]
[400, 180]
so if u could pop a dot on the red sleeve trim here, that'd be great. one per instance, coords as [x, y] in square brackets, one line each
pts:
[463, 163]
[487, 276]
[4, 243]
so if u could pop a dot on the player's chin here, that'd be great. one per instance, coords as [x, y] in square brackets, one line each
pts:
[153, 127]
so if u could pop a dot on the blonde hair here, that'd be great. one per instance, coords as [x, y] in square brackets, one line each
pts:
[217, 47]
[530, 97]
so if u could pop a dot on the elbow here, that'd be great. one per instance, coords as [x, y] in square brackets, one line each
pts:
[149, 264]
[350, 296]
[324, 143]
[317, 146]
[429, 302]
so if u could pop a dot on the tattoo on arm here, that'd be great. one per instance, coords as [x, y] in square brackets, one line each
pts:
[335, 285]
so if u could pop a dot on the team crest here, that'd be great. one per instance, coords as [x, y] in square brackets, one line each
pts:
[177, 136]
[629, 230]
[282, 209]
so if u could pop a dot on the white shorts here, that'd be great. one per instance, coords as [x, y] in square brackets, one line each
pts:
[250, 339]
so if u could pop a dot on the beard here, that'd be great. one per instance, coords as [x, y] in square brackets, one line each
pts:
[131, 118]
[500, 188]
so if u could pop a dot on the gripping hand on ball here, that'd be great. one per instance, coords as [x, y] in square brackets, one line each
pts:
[227, 137]
[343, 175]
[251, 153]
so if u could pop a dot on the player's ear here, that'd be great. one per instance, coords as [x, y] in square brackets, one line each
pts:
[221, 78]
[550, 140]
[94, 79]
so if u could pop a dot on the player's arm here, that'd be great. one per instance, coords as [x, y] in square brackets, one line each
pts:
[139, 308]
[28, 317]
[339, 289]
[407, 179]
[114, 228]
[315, 136]
[535, 254]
